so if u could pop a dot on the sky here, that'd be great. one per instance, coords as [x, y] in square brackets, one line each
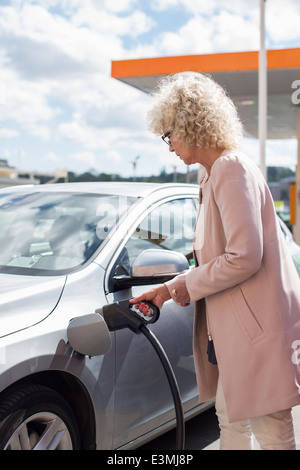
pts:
[59, 106]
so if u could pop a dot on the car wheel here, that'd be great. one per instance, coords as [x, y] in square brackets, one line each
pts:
[34, 417]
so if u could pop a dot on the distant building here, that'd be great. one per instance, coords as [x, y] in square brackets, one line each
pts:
[11, 176]
[281, 189]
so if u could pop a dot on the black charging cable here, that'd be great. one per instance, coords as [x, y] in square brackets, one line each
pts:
[180, 435]
[121, 315]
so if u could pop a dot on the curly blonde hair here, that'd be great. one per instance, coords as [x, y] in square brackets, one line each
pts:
[197, 110]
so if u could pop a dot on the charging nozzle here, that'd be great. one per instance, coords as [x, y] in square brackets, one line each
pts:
[123, 314]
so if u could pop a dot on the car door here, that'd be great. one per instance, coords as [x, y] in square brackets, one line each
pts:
[143, 398]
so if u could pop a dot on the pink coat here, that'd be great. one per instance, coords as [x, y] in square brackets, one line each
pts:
[251, 290]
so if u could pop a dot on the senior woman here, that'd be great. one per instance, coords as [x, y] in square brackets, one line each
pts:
[244, 284]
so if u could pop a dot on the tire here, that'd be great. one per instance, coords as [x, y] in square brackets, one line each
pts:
[34, 417]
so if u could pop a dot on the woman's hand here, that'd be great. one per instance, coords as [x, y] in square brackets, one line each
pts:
[179, 291]
[160, 294]
[157, 296]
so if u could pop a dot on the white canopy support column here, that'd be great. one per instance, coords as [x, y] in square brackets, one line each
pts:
[262, 92]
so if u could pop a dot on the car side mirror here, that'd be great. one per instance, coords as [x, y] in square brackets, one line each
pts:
[152, 266]
[156, 263]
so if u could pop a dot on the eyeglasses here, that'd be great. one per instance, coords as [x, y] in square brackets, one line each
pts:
[166, 137]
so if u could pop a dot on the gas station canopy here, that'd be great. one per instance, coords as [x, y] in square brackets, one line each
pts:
[237, 72]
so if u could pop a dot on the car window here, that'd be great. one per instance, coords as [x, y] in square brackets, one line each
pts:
[54, 231]
[169, 226]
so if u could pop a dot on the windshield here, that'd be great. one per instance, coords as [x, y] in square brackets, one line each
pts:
[54, 232]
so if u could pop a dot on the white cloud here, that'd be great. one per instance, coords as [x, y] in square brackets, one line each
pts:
[208, 7]
[8, 133]
[26, 102]
[74, 131]
[161, 5]
[116, 6]
[56, 44]
[225, 30]
[112, 25]
[194, 37]
[105, 161]
[69, 6]
[282, 20]
[231, 30]
[51, 156]
[88, 158]
[281, 153]
[277, 152]
[113, 156]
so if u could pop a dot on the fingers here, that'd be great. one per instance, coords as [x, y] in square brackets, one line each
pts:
[182, 300]
[144, 308]
[183, 303]
[139, 302]
[149, 295]
[158, 296]
[137, 299]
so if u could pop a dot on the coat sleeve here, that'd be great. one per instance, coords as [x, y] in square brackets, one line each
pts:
[238, 202]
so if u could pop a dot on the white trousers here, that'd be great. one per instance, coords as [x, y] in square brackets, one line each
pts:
[272, 432]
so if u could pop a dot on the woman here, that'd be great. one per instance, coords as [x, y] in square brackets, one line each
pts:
[244, 284]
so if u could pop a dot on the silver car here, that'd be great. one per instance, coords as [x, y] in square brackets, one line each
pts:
[66, 251]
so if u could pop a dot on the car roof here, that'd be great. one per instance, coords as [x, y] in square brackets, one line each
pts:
[130, 189]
